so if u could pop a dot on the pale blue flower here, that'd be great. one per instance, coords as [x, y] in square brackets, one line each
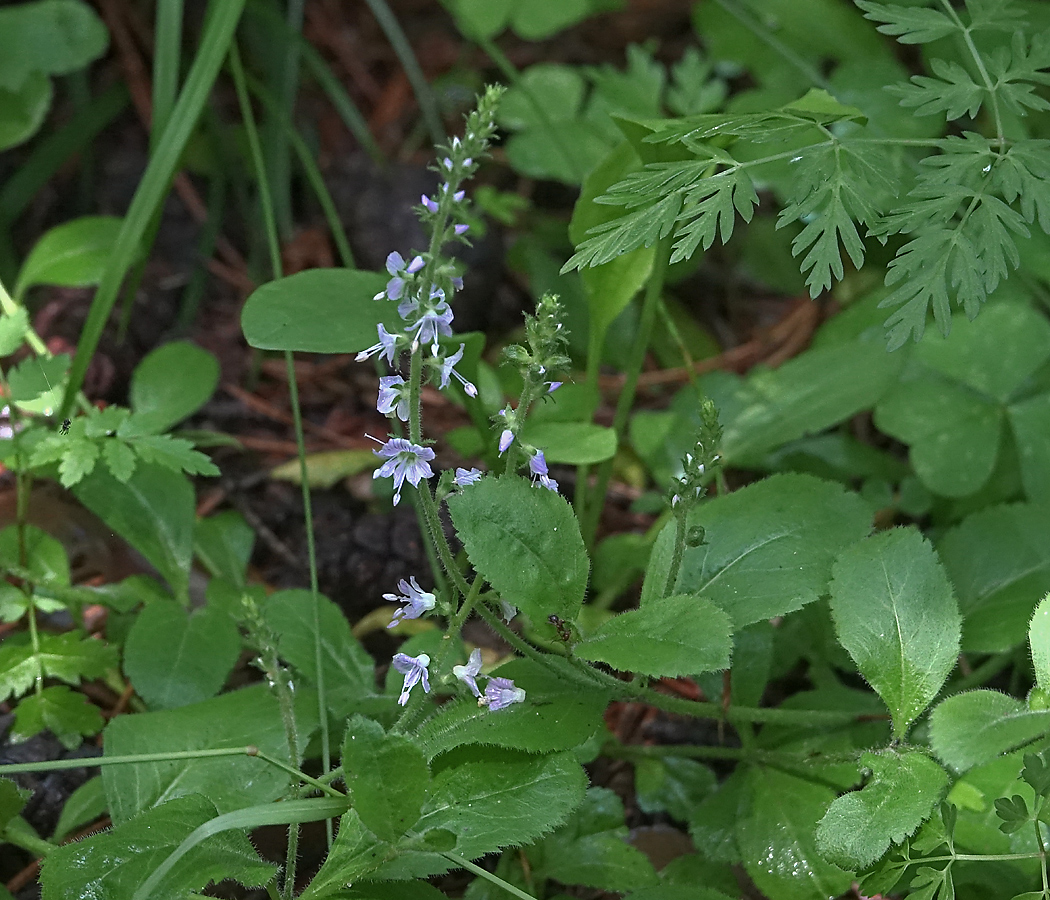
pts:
[501, 692]
[414, 266]
[416, 600]
[538, 468]
[387, 347]
[432, 324]
[461, 229]
[465, 477]
[505, 440]
[405, 461]
[414, 668]
[448, 371]
[553, 386]
[428, 203]
[393, 396]
[509, 610]
[469, 673]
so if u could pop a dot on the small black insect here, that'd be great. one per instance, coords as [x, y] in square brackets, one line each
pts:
[65, 427]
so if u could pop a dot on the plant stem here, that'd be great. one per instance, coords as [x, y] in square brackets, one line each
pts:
[681, 515]
[653, 291]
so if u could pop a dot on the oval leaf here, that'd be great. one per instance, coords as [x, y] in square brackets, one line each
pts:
[171, 383]
[73, 254]
[319, 311]
[571, 443]
[974, 728]
[859, 827]
[896, 615]
[669, 636]
[525, 541]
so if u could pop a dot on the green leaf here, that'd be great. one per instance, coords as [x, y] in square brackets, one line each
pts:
[355, 854]
[38, 379]
[777, 838]
[953, 433]
[68, 656]
[999, 565]
[53, 37]
[44, 556]
[769, 547]
[480, 18]
[903, 791]
[223, 542]
[909, 24]
[12, 801]
[250, 716]
[72, 254]
[65, 713]
[526, 543]
[672, 784]
[1014, 813]
[85, 804]
[559, 713]
[102, 867]
[684, 634]
[154, 512]
[535, 20]
[973, 728]
[896, 615]
[319, 311]
[171, 383]
[807, 394]
[22, 112]
[591, 848]
[1039, 642]
[1030, 420]
[13, 329]
[953, 92]
[171, 453]
[713, 822]
[572, 443]
[387, 775]
[348, 670]
[174, 658]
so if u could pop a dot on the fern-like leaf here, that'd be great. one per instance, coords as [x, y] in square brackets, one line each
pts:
[909, 24]
[711, 208]
[953, 92]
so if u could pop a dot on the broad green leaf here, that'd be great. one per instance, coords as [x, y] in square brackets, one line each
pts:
[1039, 643]
[85, 804]
[72, 254]
[250, 716]
[355, 854]
[480, 18]
[973, 728]
[525, 541]
[348, 670]
[223, 543]
[53, 37]
[896, 615]
[902, 792]
[387, 776]
[319, 311]
[972, 354]
[22, 112]
[572, 443]
[808, 394]
[769, 547]
[153, 511]
[12, 801]
[171, 383]
[953, 433]
[672, 784]
[45, 556]
[175, 658]
[684, 634]
[999, 564]
[535, 20]
[1030, 421]
[778, 842]
[111, 865]
[13, 329]
[35, 382]
[65, 713]
[713, 821]
[559, 713]
[591, 848]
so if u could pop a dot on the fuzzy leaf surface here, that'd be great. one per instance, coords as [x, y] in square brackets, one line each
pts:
[769, 547]
[683, 634]
[526, 543]
[974, 728]
[111, 865]
[860, 826]
[896, 615]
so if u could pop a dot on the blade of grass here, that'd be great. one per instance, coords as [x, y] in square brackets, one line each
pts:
[326, 79]
[273, 243]
[167, 55]
[313, 174]
[424, 95]
[220, 25]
